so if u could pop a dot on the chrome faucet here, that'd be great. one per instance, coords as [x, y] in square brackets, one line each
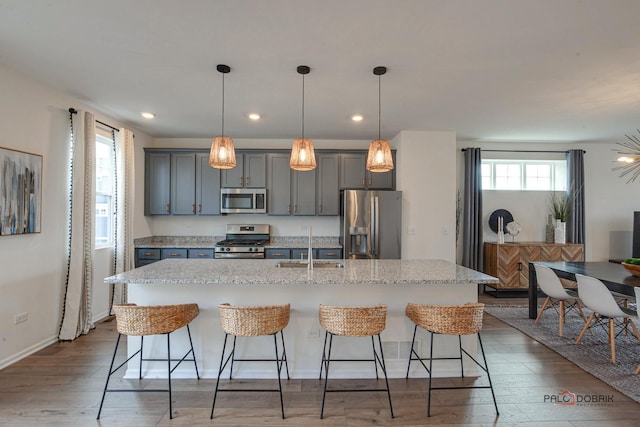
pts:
[310, 253]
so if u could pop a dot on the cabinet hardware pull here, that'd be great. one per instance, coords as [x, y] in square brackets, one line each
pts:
[200, 208]
[288, 208]
[147, 254]
[364, 182]
[519, 266]
[370, 181]
[166, 207]
[330, 254]
[174, 254]
[295, 208]
[320, 208]
[193, 208]
[241, 181]
[246, 181]
[202, 254]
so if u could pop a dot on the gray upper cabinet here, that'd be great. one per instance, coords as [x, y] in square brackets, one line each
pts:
[250, 171]
[181, 183]
[354, 174]
[207, 186]
[328, 191]
[289, 192]
[157, 179]
[278, 184]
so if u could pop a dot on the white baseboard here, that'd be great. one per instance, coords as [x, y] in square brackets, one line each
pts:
[27, 352]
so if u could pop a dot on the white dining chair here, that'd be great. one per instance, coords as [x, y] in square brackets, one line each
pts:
[563, 300]
[597, 297]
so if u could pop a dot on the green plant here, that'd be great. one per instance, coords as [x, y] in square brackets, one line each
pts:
[560, 206]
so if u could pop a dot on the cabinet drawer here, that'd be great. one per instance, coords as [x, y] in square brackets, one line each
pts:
[173, 253]
[277, 253]
[200, 253]
[300, 253]
[329, 253]
[148, 253]
[141, 262]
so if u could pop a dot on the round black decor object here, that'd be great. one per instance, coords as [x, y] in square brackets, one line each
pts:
[493, 219]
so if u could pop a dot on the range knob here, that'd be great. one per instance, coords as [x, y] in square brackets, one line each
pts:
[250, 249]
[228, 249]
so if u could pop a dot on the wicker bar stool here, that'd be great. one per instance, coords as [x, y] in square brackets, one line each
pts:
[253, 321]
[353, 322]
[134, 320]
[450, 320]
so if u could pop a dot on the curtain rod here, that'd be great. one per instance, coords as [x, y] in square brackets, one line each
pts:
[109, 126]
[522, 151]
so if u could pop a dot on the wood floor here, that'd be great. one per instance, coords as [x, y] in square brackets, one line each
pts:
[62, 385]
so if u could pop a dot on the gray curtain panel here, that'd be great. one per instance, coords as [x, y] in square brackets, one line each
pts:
[472, 212]
[575, 176]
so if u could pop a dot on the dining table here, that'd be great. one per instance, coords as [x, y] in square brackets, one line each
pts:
[613, 275]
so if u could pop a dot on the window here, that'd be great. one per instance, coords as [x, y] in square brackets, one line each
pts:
[105, 190]
[532, 175]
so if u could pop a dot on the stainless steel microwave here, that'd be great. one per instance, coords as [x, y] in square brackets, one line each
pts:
[243, 200]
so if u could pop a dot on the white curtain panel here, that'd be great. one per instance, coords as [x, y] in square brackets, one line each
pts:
[76, 310]
[126, 194]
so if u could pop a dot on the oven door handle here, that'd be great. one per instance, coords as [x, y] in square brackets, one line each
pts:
[236, 255]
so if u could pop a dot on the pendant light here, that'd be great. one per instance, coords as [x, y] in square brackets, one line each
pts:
[303, 157]
[379, 157]
[223, 154]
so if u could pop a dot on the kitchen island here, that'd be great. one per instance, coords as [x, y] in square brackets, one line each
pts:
[260, 282]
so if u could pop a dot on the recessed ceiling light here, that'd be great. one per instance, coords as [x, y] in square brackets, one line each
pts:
[356, 118]
[254, 116]
[147, 115]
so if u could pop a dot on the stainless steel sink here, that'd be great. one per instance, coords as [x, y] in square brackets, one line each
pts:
[316, 264]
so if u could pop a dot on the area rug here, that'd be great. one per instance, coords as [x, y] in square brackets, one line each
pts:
[592, 354]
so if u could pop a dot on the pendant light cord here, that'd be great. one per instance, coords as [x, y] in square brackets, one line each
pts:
[379, 105]
[222, 134]
[303, 106]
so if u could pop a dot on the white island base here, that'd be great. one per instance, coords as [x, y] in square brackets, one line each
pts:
[257, 282]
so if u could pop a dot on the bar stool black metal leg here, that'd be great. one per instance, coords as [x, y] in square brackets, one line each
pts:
[233, 356]
[284, 356]
[215, 393]
[384, 371]
[460, 347]
[430, 376]
[193, 353]
[326, 374]
[375, 364]
[140, 367]
[278, 368]
[488, 375]
[324, 352]
[169, 376]
[106, 385]
[413, 340]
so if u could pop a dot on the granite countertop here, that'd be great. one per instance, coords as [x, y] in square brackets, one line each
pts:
[200, 242]
[264, 271]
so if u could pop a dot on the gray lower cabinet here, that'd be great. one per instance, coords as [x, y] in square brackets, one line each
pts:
[302, 253]
[146, 256]
[273, 253]
[328, 184]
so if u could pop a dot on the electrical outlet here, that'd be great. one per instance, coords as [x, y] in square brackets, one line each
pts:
[411, 230]
[22, 317]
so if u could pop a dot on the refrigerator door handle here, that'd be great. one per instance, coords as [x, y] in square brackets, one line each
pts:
[376, 226]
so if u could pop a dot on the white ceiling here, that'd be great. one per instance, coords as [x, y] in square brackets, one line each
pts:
[499, 70]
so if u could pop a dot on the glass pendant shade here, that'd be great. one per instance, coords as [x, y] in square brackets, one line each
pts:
[379, 157]
[303, 157]
[223, 154]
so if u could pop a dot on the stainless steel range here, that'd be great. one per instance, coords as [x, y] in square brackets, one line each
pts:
[243, 241]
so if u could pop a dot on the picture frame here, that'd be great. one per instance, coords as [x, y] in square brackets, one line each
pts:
[20, 192]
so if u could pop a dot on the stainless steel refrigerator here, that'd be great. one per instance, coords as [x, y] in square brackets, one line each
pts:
[371, 224]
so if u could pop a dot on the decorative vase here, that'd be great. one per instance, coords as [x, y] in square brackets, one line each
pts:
[550, 230]
[560, 232]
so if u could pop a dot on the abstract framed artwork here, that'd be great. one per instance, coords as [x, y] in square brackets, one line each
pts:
[20, 192]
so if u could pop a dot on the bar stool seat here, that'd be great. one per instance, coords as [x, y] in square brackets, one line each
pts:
[253, 321]
[448, 320]
[353, 322]
[134, 320]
